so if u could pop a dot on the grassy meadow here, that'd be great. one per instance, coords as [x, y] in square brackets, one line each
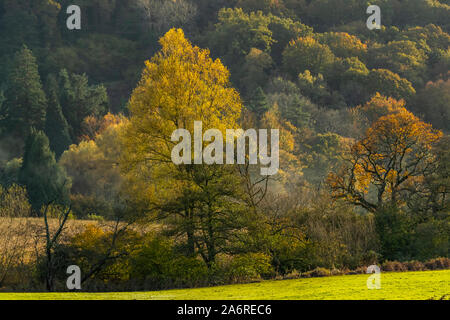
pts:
[423, 285]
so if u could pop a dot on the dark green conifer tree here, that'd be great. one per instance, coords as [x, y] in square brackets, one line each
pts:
[56, 126]
[258, 102]
[79, 100]
[45, 180]
[25, 100]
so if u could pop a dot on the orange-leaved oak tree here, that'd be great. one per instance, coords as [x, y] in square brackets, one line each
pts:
[386, 166]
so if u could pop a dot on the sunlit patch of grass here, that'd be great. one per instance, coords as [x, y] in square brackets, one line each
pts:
[394, 286]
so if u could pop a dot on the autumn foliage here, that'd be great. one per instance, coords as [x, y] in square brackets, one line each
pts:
[392, 158]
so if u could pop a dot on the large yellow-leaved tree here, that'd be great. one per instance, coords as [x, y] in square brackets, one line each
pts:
[182, 84]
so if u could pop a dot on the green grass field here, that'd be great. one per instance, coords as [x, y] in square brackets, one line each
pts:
[394, 286]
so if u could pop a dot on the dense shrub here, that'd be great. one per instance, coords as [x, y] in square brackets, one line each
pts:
[294, 274]
[84, 206]
[317, 272]
[438, 263]
[246, 267]
[158, 266]
[393, 266]
[359, 270]
[336, 272]
[94, 217]
[432, 239]
[100, 247]
[414, 265]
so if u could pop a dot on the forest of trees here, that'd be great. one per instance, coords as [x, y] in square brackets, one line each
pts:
[86, 118]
